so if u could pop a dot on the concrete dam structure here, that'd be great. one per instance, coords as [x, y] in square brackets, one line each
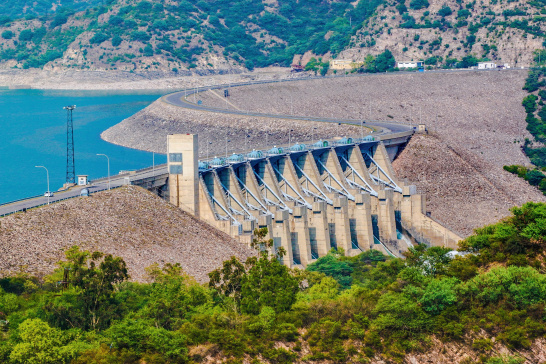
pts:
[341, 194]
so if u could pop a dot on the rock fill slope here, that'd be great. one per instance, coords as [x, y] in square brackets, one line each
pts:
[128, 222]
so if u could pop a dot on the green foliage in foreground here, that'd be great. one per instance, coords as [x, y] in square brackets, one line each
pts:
[344, 308]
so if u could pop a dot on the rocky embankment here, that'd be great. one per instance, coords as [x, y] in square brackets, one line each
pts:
[149, 128]
[128, 222]
[463, 190]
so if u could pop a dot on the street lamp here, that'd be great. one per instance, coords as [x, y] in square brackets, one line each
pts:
[108, 159]
[290, 137]
[47, 174]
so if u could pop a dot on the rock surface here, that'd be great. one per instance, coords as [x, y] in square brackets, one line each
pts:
[148, 130]
[128, 222]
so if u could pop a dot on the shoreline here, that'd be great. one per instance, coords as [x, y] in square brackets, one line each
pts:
[16, 79]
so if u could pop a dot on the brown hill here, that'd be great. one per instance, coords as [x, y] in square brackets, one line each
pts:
[128, 222]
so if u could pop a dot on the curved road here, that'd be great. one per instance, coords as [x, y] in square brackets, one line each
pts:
[179, 99]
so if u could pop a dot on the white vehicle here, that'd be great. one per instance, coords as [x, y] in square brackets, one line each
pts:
[48, 194]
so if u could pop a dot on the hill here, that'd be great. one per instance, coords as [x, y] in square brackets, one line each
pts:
[226, 35]
[454, 33]
[15, 9]
[179, 35]
[129, 222]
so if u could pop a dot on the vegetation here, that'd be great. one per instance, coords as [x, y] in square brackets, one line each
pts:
[534, 106]
[21, 8]
[534, 176]
[181, 30]
[343, 308]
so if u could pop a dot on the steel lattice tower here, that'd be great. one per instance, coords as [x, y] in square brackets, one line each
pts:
[70, 165]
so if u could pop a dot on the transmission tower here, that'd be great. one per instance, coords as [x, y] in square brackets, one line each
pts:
[70, 165]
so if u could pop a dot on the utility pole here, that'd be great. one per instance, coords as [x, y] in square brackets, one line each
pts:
[227, 141]
[70, 164]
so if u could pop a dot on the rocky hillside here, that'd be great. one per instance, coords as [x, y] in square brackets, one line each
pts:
[128, 222]
[454, 32]
[181, 35]
[225, 36]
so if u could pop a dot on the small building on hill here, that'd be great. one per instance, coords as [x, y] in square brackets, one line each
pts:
[341, 64]
[487, 65]
[410, 64]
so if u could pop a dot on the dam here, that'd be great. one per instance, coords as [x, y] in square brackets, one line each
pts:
[340, 194]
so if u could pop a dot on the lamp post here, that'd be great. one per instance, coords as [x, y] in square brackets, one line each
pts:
[290, 137]
[108, 159]
[47, 174]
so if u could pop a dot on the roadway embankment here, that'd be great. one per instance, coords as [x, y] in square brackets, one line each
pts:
[148, 130]
[129, 222]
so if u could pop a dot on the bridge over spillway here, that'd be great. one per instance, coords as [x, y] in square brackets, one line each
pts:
[331, 194]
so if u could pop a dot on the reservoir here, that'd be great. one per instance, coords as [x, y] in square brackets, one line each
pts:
[33, 133]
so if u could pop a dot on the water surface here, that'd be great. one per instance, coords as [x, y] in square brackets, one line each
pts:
[33, 132]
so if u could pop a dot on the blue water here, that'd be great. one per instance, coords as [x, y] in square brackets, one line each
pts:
[33, 132]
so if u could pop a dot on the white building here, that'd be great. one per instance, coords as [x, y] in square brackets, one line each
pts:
[410, 64]
[82, 180]
[486, 65]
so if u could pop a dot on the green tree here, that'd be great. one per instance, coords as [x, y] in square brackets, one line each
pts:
[439, 294]
[173, 296]
[384, 61]
[39, 344]
[334, 266]
[268, 282]
[431, 261]
[530, 103]
[90, 300]
[262, 281]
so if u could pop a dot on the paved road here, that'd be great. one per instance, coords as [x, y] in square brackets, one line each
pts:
[95, 186]
[179, 99]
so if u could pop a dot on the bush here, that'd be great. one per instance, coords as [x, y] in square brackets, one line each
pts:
[140, 36]
[419, 4]
[116, 41]
[26, 35]
[99, 38]
[7, 34]
[534, 177]
[445, 11]
[529, 103]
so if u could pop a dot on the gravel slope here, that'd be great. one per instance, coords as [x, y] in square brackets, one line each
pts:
[463, 191]
[129, 222]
